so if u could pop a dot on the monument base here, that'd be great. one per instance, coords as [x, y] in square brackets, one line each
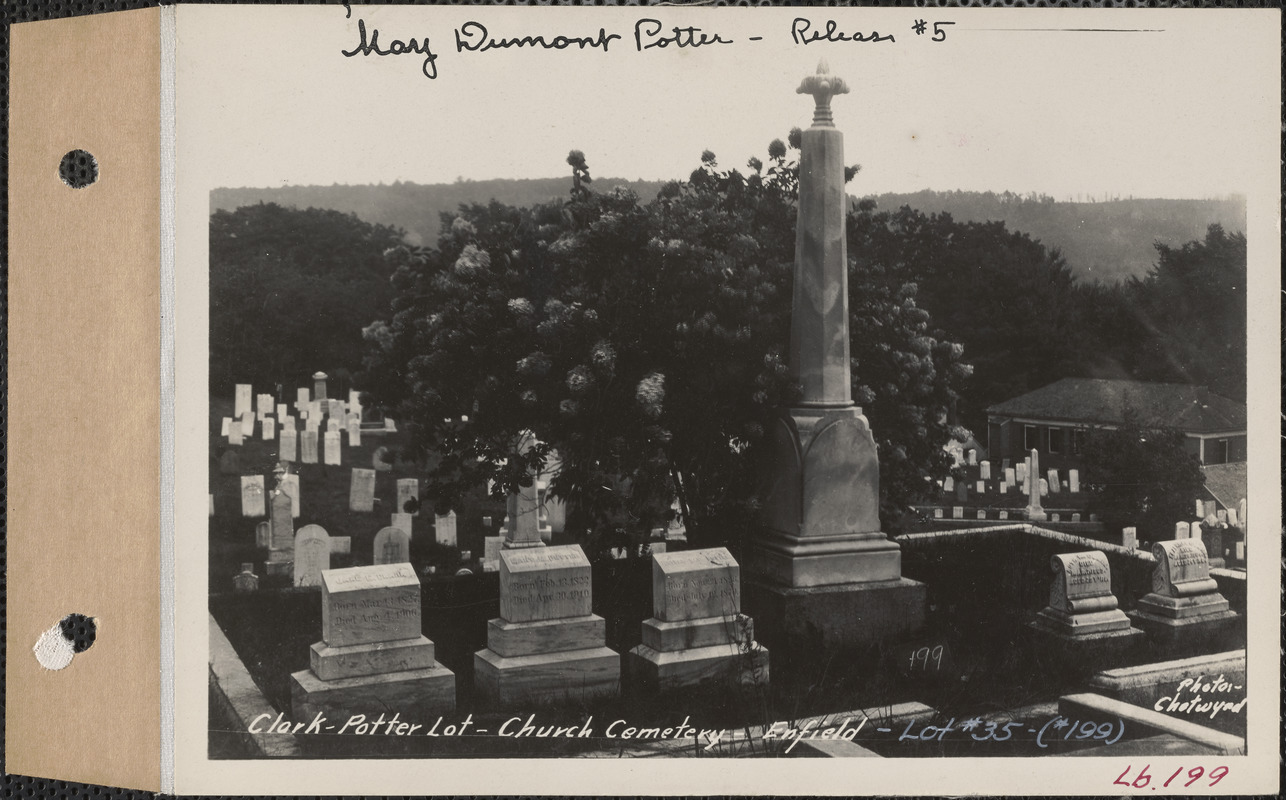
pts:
[415, 693]
[279, 568]
[1215, 630]
[560, 677]
[799, 620]
[1085, 650]
[825, 561]
[1077, 625]
[351, 661]
[653, 670]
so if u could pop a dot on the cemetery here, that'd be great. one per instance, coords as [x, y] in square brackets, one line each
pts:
[337, 591]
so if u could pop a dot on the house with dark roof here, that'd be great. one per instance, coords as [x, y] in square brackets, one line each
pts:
[1053, 419]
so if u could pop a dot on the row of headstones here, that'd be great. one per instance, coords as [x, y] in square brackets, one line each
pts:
[1210, 512]
[958, 512]
[1013, 477]
[546, 645]
[1200, 530]
[1183, 596]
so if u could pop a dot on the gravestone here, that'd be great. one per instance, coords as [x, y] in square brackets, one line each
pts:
[230, 463]
[1241, 512]
[1073, 481]
[1184, 606]
[948, 484]
[390, 425]
[1003, 515]
[290, 485]
[407, 489]
[1200, 510]
[403, 523]
[234, 434]
[224, 425]
[1052, 480]
[1004, 488]
[971, 457]
[1221, 515]
[984, 470]
[1076, 516]
[491, 549]
[1053, 518]
[283, 411]
[1035, 512]
[1182, 530]
[263, 535]
[547, 645]
[380, 460]
[444, 529]
[241, 401]
[373, 657]
[252, 503]
[361, 490]
[1232, 518]
[269, 429]
[308, 447]
[1240, 551]
[1021, 472]
[957, 512]
[1044, 487]
[335, 410]
[263, 405]
[1082, 620]
[937, 513]
[981, 487]
[282, 526]
[982, 513]
[246, 580]
[319, 385]
[287, 444]
[354, 433]
[315, 412]
[312, 555]
[302, 400]
[1011, 477]
[392, 546]
[332, 425]
[697, 633]
[247, 426]
[1130, 538]
[332, 448]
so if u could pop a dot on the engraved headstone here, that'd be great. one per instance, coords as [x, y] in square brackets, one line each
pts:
[1073, 480]
[241, 402]
[1130, 538]
[361, 490]
[981, 487]
[491, 548]
[287, 444]
[302, 399]
[332, 448]
[246, 580]
[1079, 576]
[252, 502]
[408, 489]
[269, 429]
[1081, 602]
[1181, 566]
[1052, 480]
[312, 555]
[1011, 477]
[1044, 487]
[1020, 471]
[1076, 517]
[937, 513]
[315, 412]
[332, 425]
[982, 513]
[984, 470]
[1004, 488]
[444, 529]
[354, 433]
[308, 447]
[1182, 530]
[544, 583]
[1003, 515]
[392, 546]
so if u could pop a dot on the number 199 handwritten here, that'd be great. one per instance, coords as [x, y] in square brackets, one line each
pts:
[1142, 780]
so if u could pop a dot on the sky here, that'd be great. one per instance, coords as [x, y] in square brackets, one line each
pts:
[1181, 105]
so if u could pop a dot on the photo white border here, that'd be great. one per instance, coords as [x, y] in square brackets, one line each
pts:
[210, 38]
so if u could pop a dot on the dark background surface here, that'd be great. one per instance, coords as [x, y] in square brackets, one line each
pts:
[12, 11]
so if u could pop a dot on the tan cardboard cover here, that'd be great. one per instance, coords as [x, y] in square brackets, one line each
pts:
[84, 398]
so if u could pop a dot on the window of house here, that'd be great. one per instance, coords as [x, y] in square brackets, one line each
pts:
[1217, 451]
[1055, 440]
[1078, 442]
[1031, 437]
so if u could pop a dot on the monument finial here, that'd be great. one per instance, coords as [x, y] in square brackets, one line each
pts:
[823, 86]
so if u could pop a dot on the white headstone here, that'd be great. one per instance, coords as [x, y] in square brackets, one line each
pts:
[1200, 509]
[1011, 476]
[361, 490]
[1053, 481]
[223, 426]
[1222, 515]
[392, 546]
[1232, 517]
[247, 425]
[234, 434]
[1044, 487]
[1182, 530]
[287, 445]
[389, 424]
[948, 484]
[332, 425]
[1073, 480]
[984, 470]
[1021, 472]
[937, 513]
[283, 411]
[301, 399]
[971, 457]
[957, 512]
[241, 403]
[981, 487]
[1004, 488]
[252, 499]
[332, 448]
[312, 555]
[1076, 517]
[407, 489]
[444, 529]
[1130, 538]
[982, 513]
[269, 429]
[290, 485]
[1241, 551]
[354, 433]
[308, 447]
[1003, 515]
[403, 523]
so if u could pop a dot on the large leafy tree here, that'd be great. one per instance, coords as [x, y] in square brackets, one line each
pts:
[1140, 476]
[643, 342]
[290, 291]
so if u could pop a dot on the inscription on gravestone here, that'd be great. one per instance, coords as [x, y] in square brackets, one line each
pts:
[332, 448]
[312, 555]
[308, 447]
[370, 604]
[361, 490]
[392, 546]
[252, 502]
[544, 583]
[287, 444]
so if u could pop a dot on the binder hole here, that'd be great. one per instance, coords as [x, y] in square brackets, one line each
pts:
[78, 169]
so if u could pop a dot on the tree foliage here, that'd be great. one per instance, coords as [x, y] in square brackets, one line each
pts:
[643, 342]
[1140, 476]
[290, 292]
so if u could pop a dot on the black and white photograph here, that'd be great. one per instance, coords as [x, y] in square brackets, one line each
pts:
[761, 384]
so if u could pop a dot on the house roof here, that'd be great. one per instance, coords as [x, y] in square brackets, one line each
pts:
[1226, 482]
[1194, 409]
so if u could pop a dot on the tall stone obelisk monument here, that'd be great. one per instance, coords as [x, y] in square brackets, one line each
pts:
[820, 561]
